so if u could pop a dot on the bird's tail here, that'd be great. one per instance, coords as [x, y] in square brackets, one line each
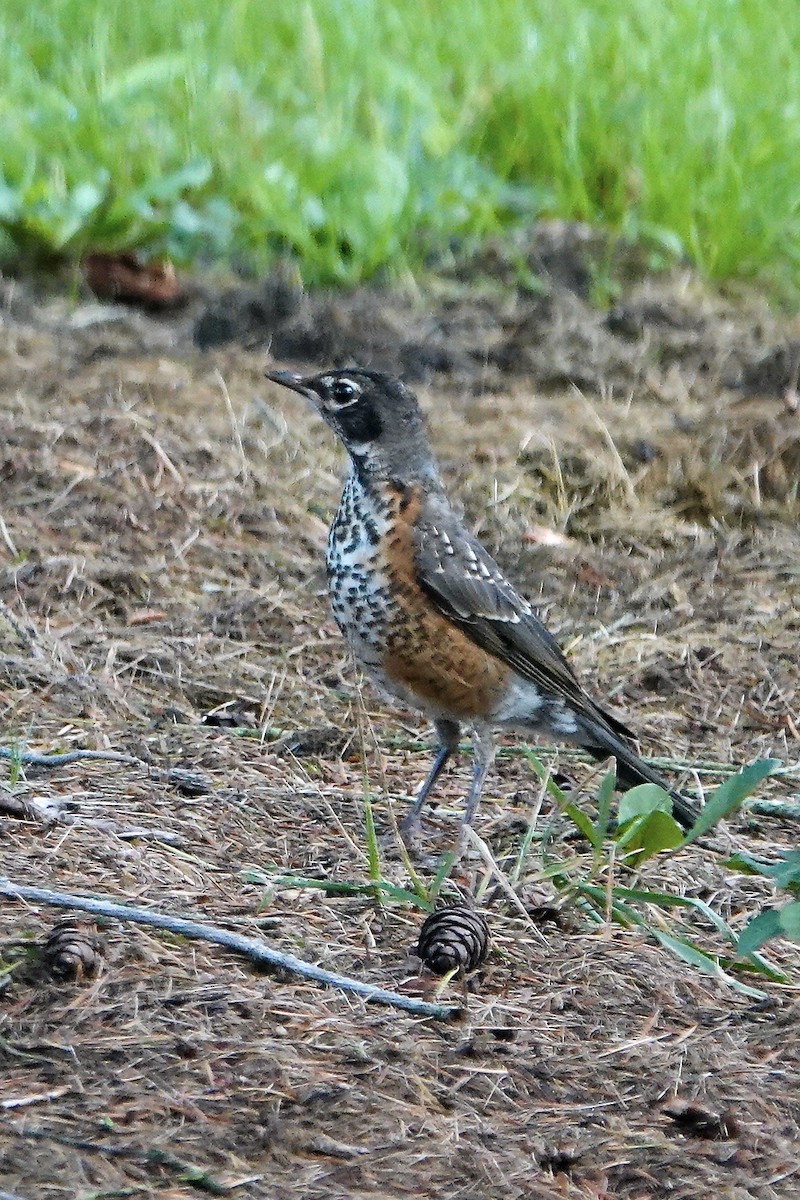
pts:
[602, 741]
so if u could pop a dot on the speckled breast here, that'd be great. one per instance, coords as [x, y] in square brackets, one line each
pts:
[359, 589]
[411, 650]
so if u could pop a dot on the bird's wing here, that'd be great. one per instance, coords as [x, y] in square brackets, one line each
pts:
[468, 587]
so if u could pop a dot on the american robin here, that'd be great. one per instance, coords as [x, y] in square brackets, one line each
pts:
[427, 611]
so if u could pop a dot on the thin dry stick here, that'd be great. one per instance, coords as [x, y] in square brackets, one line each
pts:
[188, 781]
[254, 949]
[573, 754]
[30, 758]
[773, 808]
[487, 856]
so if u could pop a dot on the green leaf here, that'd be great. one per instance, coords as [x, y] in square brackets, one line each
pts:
[146, 74]
[543, 772]
[642, 800]
[785, 872]
[604, 798]
[790, 921]
[194, 174]
[740, 861]
[668, 900]
[649, 835]
[582, 822]
[729, 795]
[623, 914]
[371, 837]
[442, 871]
[695, 957]
[10, 202]
[763, 927]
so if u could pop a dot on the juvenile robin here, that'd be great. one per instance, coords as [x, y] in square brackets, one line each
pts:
[428, 613]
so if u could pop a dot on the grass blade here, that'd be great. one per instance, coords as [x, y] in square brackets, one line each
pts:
[729, 795]
[691, 954]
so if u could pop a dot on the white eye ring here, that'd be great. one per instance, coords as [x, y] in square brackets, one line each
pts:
[343, 391]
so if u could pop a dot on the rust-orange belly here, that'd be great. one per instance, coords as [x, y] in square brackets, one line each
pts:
[430, 659]
[426, 655]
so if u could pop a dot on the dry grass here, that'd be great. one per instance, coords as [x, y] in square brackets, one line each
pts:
[163, 520]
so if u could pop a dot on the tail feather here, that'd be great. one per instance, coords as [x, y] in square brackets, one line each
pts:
[632, 770]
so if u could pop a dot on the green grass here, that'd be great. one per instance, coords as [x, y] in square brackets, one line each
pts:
[362, 136]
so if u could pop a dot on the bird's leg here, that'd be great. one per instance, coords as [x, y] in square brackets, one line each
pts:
[483, 748]
[448, 732]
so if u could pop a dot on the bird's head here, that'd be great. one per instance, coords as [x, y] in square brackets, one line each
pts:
[377, 418]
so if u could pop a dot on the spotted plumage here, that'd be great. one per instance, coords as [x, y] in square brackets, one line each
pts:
[427, 611]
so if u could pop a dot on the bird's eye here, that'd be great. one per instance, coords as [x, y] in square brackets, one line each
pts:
[344, 392]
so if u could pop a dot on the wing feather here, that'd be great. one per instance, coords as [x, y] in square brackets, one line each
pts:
[468, 587]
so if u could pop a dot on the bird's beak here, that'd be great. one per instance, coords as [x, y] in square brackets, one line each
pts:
[294, 382]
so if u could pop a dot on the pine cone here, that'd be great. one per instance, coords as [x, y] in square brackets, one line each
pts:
[71, 952]
[453, 937]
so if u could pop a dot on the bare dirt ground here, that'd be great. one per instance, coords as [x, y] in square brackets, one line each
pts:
[164, 512]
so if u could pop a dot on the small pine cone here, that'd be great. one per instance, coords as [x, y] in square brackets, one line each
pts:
[71, 952]
[453, 937]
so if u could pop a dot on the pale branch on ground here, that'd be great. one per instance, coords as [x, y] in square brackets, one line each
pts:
[251, 947]
[190, 782]
[774, 808]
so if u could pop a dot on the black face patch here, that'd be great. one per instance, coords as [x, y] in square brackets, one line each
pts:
[360, 422]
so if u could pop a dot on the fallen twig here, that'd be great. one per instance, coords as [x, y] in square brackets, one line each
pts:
[52, 809]
[774, 808]
[189, 782]
[254, 949]
[36, 1098]
[570, 754]
[31, 758]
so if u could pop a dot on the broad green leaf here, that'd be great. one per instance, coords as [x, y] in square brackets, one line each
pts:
[729, 795]
[74, 218]
[786, 871]
[641, 800]
[650, 835]
[11, 202]
[193, 174]
[740, 861]
[763, 927]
